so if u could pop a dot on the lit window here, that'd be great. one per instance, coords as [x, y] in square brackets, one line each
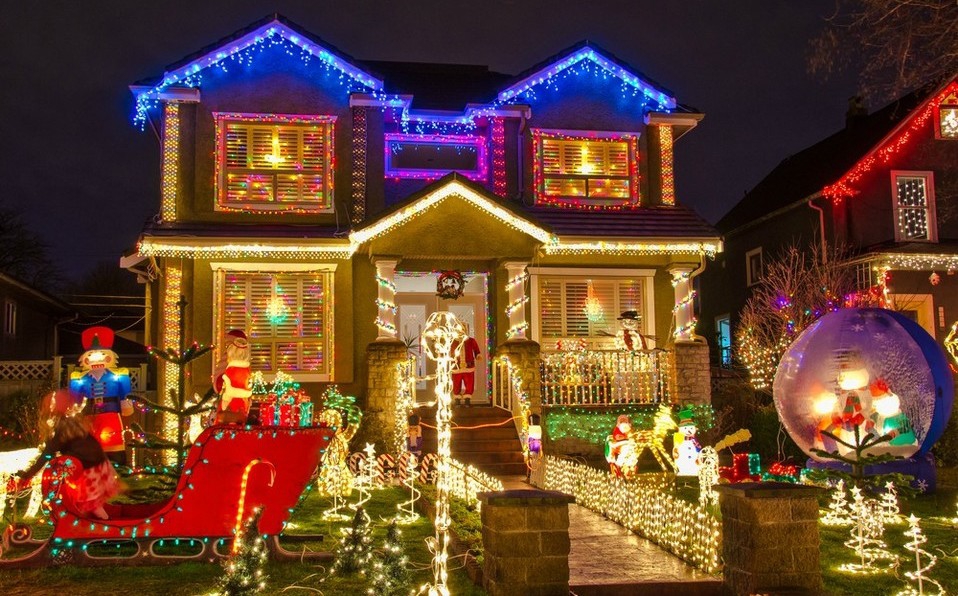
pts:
[10, 318]
[947, 123]
[569, 308]
[914, 202]
[723, 334]
[433, 156]
[598, 169]
[287, 316]
[754, 271]
[274, 163]
[864, 276]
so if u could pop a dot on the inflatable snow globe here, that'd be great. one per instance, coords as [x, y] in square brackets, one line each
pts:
[858, 374]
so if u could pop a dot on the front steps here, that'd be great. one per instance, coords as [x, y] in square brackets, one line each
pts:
[493, 447]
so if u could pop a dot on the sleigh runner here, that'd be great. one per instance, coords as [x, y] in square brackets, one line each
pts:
[228, 473]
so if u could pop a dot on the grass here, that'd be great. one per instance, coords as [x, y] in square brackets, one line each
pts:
[936, 511]
[288, 578]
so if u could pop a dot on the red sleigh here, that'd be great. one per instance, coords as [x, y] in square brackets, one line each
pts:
[229, 472]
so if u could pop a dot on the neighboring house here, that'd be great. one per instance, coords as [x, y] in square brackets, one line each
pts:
[313, 200]
[885, 188]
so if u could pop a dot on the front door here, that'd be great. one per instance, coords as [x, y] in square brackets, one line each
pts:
[416, 299]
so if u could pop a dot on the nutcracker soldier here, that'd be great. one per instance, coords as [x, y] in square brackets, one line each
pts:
[105, 387]
[232, 380]
[464, 369]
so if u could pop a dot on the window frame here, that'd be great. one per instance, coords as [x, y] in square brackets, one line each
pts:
[750, 278]
[10, 318]
[223, 119]
[480, 174]
[949, 102]
[536, 275]
[931, 215]
[724, 352]
[329, 320]
[631, 139]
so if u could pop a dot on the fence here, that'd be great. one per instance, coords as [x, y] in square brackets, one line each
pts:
[466, 482]
[28, 375]
[605, 377]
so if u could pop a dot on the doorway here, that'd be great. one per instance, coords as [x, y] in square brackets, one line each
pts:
[416, 299]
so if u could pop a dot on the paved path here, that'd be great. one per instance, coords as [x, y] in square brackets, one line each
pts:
[608, 559]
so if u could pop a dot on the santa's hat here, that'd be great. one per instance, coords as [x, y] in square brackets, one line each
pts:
[97, 338]
[237, 337]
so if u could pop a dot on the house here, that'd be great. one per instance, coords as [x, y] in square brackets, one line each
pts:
[883, 188]
[316, 201]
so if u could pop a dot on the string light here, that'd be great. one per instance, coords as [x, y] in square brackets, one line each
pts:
[407, 509]
[604, 377]
[213, 249]
[516, 305]
[404, 404]
[708, 248]
[666, 168]
[516, 329]
[359, 165]
[517, 280]
[499, 156]
[169, 178]
[918, 575]
[171, 337]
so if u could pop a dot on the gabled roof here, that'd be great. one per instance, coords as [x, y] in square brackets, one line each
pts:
[671, 221]
[808, 172]
[55, 304]
[587, 50]
[448, 186]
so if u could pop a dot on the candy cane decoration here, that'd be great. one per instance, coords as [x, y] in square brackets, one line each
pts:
[237, 528]
[402, 464]
[427, 468]
[356, 463]
[385, 469]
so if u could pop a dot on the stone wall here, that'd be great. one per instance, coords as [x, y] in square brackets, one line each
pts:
[770, 539]
[525, 542]
[691, 378]
[382, 388]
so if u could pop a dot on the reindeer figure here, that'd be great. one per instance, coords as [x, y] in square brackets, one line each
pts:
[653, 439]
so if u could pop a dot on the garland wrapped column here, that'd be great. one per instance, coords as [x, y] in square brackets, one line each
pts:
[684, 297]
[517, 299]
[386, 301]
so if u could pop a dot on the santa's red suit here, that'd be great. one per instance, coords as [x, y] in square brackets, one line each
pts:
[464, 369]
[233, 383]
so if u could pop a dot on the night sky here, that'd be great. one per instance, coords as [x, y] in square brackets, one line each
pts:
[87, 179]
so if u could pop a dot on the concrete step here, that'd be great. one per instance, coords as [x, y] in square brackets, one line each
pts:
[505, 469]
[493, 457]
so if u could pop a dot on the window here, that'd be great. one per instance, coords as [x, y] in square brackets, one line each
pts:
[914, 201]
[10, 318]
[946, 126]
[274, 162]
[287, 315]
[587, 169]
[569, 308]
[723, 335]
[864, 276]
[754, 271]
[434, 156]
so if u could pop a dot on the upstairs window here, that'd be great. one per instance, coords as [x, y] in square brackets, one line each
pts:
[946, 126]
[433, 156]
[723, 336]
[586, 169]
[754, 268]
[914, 202]
[274, 162]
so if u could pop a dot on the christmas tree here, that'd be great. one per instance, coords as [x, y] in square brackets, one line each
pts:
[837, 514]
[867, 535]
[390, 575]
[244, 568]
[918, 575]
[890, 512]
[355, 551]
[407, 509]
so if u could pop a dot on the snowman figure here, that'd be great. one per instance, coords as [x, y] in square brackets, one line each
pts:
[686, 448]
[888, 419]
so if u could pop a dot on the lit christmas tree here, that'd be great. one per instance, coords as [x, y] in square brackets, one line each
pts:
[866, 536]
[390, 573]
[244, 568]
[918, 575]
[407, 509]
[366, 478]
[355, 548]
[838, 508]
[890, 512]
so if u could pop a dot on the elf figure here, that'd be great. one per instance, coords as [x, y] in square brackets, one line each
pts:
[106, 387]
[232, 380]
[686, 448]
[464, 369]
[620, 449]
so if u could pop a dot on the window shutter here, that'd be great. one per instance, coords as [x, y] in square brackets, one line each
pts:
[630, 294]
[550, 293]
[236, 142]
[576, 323]
[605, 292]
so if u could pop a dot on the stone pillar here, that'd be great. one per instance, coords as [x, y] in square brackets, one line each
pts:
[691, 375]
[382, 390]
[524, 355]
[386, 300]
[525, 542]
[517, 299]
[684, 295]
[770, 539]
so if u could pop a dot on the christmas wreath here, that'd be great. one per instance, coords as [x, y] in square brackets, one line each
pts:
[450, 285]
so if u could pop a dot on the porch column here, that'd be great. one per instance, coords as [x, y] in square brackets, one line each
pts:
[516, 308]
[684, 295]
[386, 280]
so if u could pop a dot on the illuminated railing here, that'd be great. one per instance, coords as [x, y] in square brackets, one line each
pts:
[605, 377]
[465, 482]
[508, 394]
[685, 529]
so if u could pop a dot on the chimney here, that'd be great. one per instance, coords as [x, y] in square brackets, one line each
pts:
[856, 111]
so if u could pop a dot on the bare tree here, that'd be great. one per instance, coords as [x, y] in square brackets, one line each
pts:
[23, 253]
[798, 287]
[895, 45]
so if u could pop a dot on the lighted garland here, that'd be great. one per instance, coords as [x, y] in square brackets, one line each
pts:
[404, 404]
[593, 426]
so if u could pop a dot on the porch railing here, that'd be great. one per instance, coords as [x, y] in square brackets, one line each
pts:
[465, 482]
[605, 377]
[508, 394]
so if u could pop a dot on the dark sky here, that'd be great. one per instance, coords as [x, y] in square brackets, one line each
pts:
[88, 179]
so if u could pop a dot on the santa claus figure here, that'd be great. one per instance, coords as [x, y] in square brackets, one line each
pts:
[232, 380]
[620, 449]
[105, 387]
[464, 369]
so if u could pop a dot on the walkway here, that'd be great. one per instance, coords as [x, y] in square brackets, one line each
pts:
[607, 559]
